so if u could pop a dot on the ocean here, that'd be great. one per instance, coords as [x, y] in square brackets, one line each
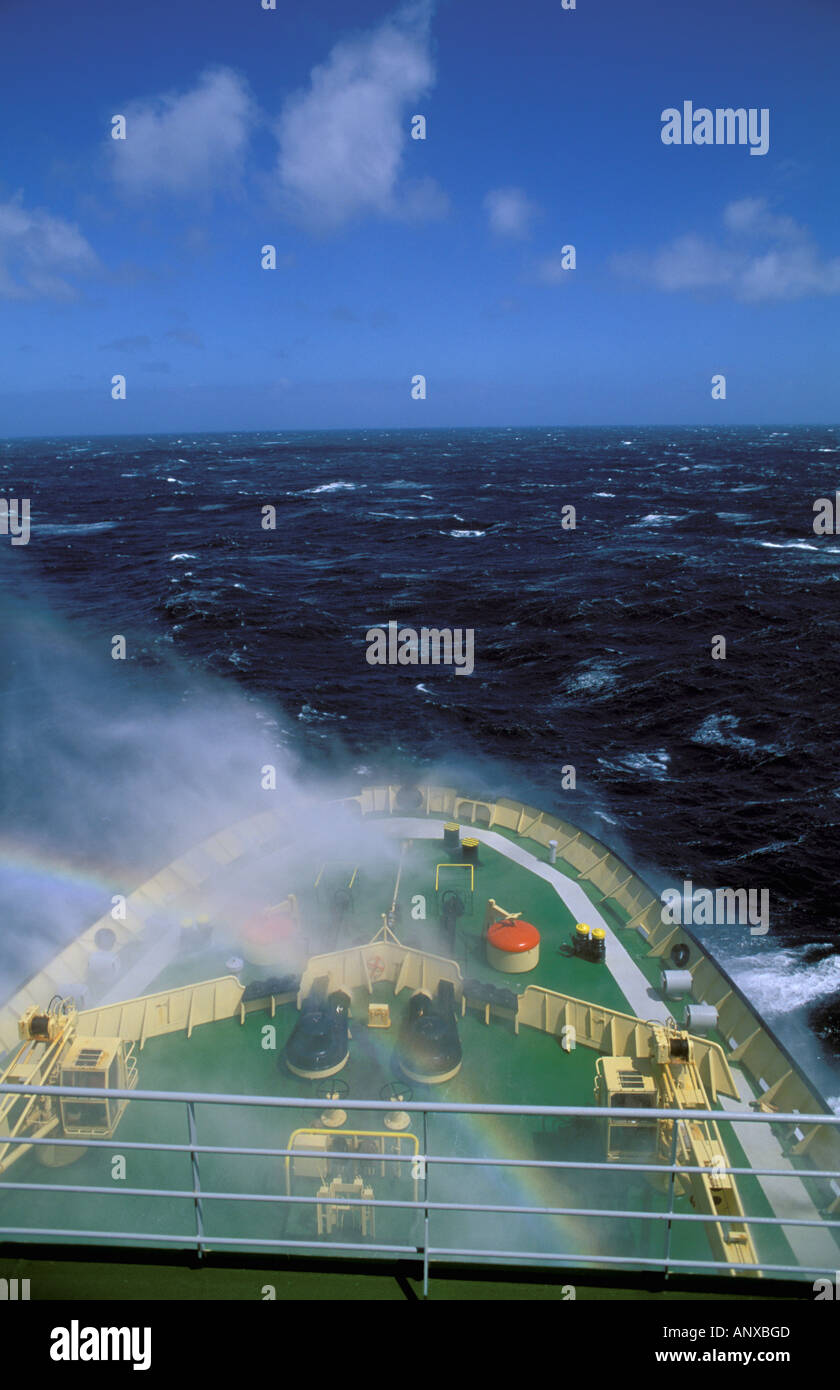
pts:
[593, 644]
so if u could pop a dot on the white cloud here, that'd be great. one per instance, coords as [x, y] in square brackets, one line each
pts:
[791, 274]
[767, 257]
[751, 215]
[38, 252]
[343, 139]
[551, 271]
[509, 211]
[185, 144]
[687, 263]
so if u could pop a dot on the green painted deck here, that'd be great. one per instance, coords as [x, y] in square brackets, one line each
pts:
[498, 1066]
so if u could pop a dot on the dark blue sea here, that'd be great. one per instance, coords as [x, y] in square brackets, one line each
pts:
[592, 645]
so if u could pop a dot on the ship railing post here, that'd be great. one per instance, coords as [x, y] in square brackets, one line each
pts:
[672, 1182]
[196, 1179]
[425, 1199]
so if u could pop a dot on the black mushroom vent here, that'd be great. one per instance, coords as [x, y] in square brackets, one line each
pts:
[430, 1048]
[318, 1044]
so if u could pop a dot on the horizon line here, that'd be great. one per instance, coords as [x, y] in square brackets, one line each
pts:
[424, 429]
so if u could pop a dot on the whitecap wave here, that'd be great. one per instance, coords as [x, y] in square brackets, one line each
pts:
[78, 529]
[598, 676]
[653, 766]
[331, 487]
[718, 731]
[788, 545]
[779, 982]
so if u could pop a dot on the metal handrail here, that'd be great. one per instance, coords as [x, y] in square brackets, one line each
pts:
[407, 1205]
[430, 1107]
[200, 1241]
[444, 1160]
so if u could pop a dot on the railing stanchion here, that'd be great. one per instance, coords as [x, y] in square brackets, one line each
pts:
[672, 1183]
[426, 1209]
[196, 1177]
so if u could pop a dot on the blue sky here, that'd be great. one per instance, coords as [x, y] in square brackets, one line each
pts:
[291, 127]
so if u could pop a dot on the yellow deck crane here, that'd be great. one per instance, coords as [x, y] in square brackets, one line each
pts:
[668, 1079]
[53, 1053]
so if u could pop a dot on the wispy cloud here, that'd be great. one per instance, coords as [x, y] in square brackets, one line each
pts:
[551, 270]
[189, 143]
[141, 342]
[509, 212]
[40, 255]
[753, 217]
[187, 337]
[343, 139]
[764, 257]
